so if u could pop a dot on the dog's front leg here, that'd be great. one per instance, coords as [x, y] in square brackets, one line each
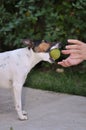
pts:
[17, 88]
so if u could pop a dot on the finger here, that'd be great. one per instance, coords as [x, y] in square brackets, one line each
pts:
[77, 47]
[64, 63]
[74, 41]
[70, 51]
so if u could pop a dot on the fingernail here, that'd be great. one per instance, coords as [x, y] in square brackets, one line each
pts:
[66, 47]
[69, 40]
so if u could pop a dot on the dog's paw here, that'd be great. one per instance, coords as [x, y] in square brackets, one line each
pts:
[24, 112]
[23, 117]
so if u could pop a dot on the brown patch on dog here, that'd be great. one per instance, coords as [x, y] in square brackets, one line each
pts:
[43, 47]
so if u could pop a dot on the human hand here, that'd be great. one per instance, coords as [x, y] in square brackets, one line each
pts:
[76, 51]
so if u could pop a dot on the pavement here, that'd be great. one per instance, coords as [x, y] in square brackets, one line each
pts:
[46, 111]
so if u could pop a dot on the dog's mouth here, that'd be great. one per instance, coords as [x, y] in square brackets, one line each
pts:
[52, 48]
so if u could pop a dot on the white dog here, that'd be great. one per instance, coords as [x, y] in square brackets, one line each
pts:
[16, 64]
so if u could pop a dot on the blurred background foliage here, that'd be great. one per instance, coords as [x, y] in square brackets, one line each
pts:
[53, 20]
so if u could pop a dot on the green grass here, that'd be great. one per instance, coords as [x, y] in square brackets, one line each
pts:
[71, 82]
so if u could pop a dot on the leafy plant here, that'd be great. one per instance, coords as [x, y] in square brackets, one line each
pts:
[51, 20]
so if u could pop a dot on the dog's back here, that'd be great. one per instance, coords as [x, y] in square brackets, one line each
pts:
[10, 64]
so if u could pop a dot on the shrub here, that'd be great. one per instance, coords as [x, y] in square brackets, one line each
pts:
[51, 20]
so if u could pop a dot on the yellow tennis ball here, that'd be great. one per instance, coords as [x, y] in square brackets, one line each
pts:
[55, 53]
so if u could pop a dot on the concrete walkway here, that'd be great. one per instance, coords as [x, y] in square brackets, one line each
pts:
[46, 111]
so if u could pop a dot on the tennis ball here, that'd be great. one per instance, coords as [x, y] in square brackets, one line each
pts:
[55, 53]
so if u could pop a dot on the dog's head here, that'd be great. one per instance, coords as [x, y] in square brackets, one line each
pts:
[42, 47]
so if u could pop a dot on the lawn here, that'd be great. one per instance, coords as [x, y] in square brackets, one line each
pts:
[71, 81]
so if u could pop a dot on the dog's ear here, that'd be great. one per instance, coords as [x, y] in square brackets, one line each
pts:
[28, 43]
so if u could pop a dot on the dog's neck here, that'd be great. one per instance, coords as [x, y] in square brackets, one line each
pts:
[37, 57]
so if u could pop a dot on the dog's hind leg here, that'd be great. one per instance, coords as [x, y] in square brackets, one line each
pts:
[17, 88]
